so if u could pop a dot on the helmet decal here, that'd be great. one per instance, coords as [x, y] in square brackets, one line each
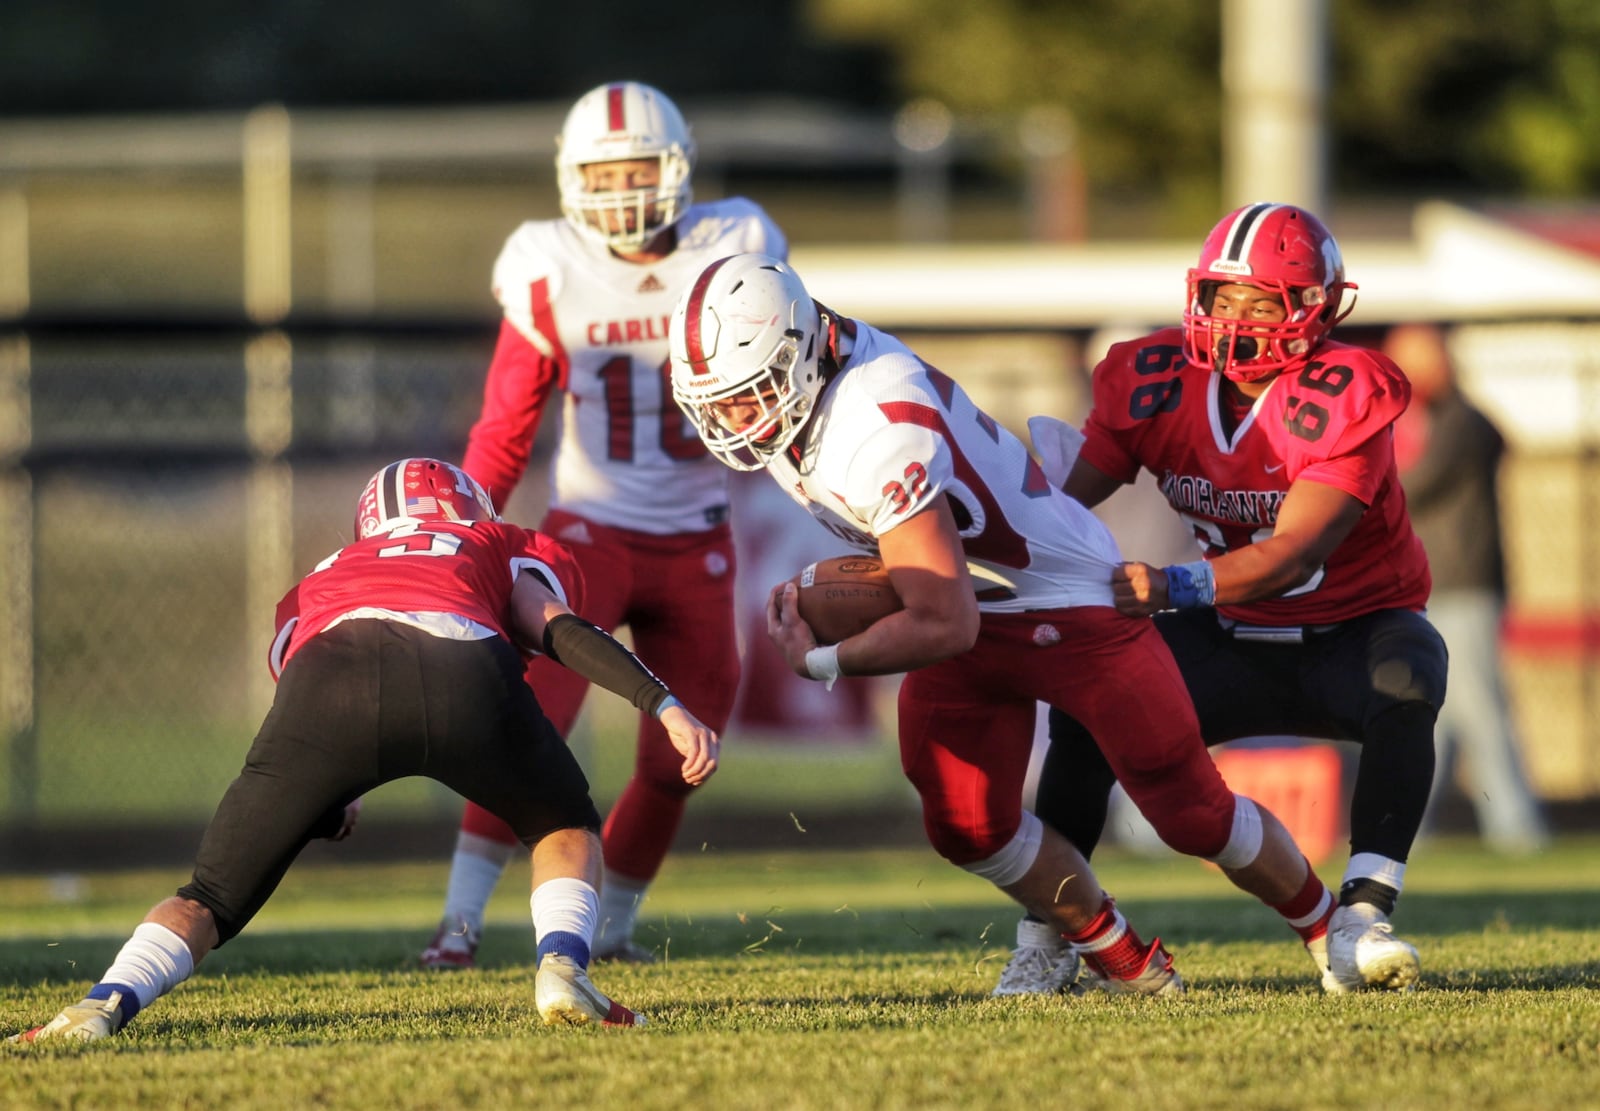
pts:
[745, 348]
[411, 490]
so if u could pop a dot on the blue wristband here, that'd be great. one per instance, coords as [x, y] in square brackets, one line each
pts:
[1190, 585]
[666, 704]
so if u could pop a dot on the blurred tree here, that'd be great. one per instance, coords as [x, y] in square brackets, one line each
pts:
[1426, 95]
[1139, 78]
[1439, 95]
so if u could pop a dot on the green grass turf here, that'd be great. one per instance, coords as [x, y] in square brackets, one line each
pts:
[827, 979]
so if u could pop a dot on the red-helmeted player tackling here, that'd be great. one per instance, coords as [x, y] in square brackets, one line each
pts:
[1275, 444]
[401, 655]
[586, 302]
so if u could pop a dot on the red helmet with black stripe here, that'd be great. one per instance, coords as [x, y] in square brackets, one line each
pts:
[747, 329]
[420, 490]
[1278, 248]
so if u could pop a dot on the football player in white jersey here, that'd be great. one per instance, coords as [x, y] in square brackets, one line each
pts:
[586, 301]
[1006, 584]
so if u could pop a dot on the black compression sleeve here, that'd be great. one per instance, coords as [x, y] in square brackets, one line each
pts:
[593, 653]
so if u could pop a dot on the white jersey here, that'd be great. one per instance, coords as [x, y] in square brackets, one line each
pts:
[627, 456]
[891, 433]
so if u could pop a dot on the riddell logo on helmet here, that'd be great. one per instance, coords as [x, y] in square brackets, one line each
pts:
[1223, 266]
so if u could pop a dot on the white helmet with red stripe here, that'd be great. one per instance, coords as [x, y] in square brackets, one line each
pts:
[618, 122]
[420, 490]
[747, 326]
[1281, 249]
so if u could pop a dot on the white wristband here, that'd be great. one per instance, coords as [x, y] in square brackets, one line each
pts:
[822, 664]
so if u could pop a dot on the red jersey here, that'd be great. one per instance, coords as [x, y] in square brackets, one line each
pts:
[450, 578]
[1331, 422]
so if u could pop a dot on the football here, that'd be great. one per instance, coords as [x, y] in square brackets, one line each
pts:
[840, 597]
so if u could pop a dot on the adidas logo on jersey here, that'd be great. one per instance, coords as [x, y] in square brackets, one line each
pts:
[651, 284]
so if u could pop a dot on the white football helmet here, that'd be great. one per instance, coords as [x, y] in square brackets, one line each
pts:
[616, 122]
[747, 326]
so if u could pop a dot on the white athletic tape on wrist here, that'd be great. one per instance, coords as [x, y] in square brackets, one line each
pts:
[822, 664]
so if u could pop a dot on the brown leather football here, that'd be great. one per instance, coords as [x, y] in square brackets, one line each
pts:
[840, 597]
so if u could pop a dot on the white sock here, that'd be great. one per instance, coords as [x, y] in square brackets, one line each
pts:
[620, 897]
[1374, 866]
[474, 871]
[564, 913]
[152, 962]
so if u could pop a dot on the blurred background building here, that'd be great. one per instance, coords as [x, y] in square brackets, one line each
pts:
[244, 260]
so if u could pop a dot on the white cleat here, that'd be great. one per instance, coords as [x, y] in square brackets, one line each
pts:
[565, 997]
[88, 1021]
[1364, 954]
[1043, 963]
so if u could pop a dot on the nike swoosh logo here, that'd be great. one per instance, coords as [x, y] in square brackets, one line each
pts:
[1274, 470]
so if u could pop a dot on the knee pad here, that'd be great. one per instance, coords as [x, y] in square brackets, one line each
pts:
[1014, 859]
[1244, 843]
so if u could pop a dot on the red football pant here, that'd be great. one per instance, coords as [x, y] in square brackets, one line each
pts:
[966, 728]
[675, 594]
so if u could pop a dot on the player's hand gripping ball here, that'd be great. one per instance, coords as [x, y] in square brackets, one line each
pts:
[840, 597]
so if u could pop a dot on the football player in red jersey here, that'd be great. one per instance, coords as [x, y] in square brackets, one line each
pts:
[586, 300]
[1007, 598]
[401, 655]
[1274, 443]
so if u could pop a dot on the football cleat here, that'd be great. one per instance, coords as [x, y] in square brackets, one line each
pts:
[565, 997]
[88, 1021]
[1363, 953]
[1154, 975]
[623, 951]
[1043, 963]
[1317, 947]
[454, 947]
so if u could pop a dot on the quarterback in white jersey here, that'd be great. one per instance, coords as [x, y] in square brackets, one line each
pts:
[586, 301]
[626, 456]
[1006, 589]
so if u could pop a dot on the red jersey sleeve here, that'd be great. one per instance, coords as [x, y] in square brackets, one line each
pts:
[553, 562]
[1133, 382]
[519, 383]
[1340, 414]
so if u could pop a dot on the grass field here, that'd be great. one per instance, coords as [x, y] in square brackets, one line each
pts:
[823, 980]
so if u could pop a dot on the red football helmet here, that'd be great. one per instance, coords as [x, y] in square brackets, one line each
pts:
[420, 490]
[1275, 247]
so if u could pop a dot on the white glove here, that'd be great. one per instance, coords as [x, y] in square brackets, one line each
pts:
[1057, 444]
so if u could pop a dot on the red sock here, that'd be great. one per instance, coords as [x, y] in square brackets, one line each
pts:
[1110, 945]
[1308, 912]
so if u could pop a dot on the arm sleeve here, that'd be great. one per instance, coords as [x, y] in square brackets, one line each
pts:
[596, 655]
[520, 381]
